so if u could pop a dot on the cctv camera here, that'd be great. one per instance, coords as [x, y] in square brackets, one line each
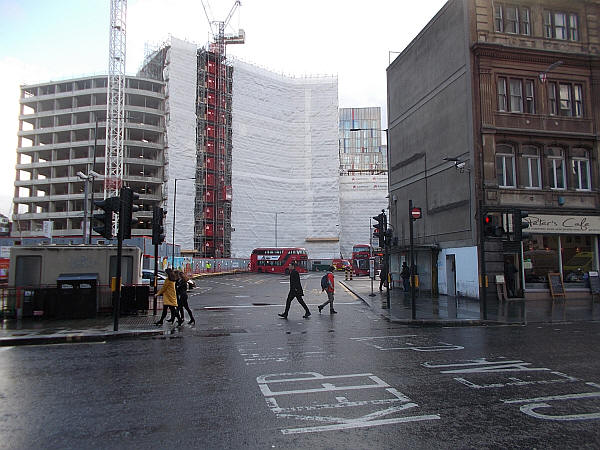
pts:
[461, 165]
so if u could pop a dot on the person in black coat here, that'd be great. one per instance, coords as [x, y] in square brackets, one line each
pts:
[181, 286]
[296, 291]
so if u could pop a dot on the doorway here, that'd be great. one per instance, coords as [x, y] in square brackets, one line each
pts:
[451, 275]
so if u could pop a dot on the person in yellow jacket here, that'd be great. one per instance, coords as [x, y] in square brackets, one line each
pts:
[169, 298]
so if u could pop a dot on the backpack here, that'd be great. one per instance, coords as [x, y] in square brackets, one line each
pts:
[324, 282]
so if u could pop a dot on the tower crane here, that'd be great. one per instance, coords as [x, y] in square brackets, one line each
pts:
[115, 102]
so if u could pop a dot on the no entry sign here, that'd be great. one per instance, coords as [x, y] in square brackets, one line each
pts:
[415, 213]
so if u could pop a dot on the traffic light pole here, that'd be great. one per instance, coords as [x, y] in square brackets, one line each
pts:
[413, 305]
[155, 277]
[117, 292]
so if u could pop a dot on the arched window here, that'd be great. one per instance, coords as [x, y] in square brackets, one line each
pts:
[555, 167]
[580, 169]
[505, 165]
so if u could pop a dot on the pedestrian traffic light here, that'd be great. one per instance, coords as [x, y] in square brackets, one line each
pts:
[490, 229]
[519, 225]
[158, 230]
[126, 214]
[380, 228]
[105, 219]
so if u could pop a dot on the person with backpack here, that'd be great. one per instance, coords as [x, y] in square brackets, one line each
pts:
[295, 292]
[328, 285]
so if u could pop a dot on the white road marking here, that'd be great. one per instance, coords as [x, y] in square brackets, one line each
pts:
[407, 345]
[371, 419]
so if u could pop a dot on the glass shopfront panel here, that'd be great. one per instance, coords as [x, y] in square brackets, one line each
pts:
[541, 255]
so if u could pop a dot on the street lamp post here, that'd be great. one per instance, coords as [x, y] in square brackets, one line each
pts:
[277, 212]
[174, 209]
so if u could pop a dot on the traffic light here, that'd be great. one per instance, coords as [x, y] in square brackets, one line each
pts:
[519, 225]
[380, 227]
[126, 214]
[490, 229]
[108, 206]
[158, 230]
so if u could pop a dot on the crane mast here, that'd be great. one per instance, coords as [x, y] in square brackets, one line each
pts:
[115, 102]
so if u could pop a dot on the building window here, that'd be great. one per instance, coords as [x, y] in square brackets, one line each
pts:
[580, 169]
[505, 166]
[511, 19]
[560, 25]
[502, 106]
[530, 170]
[520, 97]
[555, 165]
[566, 99]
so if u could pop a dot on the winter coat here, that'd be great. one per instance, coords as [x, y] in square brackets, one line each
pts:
[295, 285]
[168, 293]
[330, 283]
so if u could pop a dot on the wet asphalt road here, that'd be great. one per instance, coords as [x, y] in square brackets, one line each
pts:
[244, 378]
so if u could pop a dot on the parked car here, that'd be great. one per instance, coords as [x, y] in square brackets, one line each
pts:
[148, 278]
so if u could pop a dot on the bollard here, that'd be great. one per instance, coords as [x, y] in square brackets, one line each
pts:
[346, 270]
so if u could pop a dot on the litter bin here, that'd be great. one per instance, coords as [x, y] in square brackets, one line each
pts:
[76, 297]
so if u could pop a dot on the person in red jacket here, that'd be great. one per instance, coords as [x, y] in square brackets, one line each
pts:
[330, 290]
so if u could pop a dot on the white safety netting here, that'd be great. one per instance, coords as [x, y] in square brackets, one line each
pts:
[180, 74]
[361, 198]
[284, 162]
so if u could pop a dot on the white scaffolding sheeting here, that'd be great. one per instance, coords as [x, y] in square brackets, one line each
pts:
[284, 161]
[181, 76]
[361, 198]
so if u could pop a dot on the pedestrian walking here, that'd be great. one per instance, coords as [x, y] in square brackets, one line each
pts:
[383, 276]
[330, 289]
[509, 274]
[405, 274]
[169, 298]
[181, 286]
[295, 292]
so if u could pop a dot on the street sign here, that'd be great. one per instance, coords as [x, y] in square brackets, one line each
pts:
[372, 268]
[415, 213]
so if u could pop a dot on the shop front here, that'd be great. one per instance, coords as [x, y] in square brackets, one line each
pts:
[565, 244]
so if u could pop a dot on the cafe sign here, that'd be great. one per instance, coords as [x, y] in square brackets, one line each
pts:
[563, 224]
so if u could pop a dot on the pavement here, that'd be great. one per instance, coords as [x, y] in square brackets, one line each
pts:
[441, 311]
[447, 310]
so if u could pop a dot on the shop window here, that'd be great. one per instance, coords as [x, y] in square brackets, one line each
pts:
[540, 256]
[530, 171]
[505, 166]
[555, 168]
[577, 258]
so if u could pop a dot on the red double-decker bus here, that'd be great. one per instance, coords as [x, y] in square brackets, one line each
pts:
[278, 260]
[360, 259]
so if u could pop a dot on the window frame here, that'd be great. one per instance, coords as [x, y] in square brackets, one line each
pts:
[552, 160]
[579, 161]
[529, 156]
[521, 24]
[570, 27]
[574, 99]
[505, 95]
[504, 156]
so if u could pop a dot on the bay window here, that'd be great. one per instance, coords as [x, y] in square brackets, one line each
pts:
[520, 96]
[565, 99]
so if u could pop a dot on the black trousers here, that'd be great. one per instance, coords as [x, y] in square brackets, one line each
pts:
[182, 302]
[291, 297]
[174, 313]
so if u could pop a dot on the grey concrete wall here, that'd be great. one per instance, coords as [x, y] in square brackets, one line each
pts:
[429, 107]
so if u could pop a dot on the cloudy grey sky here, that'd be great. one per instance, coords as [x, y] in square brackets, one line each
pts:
[45, 40]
